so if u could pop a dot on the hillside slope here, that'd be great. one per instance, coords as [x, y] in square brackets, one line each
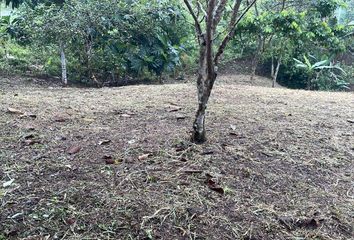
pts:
[117, 164]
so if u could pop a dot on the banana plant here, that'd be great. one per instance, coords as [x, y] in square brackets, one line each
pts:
[314, 70]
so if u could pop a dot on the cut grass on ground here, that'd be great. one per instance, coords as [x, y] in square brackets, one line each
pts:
[117, 164]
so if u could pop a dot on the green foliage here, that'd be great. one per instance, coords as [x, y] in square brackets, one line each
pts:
[107, 40]
[113, 40]
[322, 75]
[289, 32]
[326, 8]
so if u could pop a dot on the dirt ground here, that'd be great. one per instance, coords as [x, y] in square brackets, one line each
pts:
[116, 163]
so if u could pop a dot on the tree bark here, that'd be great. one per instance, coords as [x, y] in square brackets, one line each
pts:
[275, 76]
[272, 68]
[256, 58]
[208, 60]
[64, 76]
[206, 76]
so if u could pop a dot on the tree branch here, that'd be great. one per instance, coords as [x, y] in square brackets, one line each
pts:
[196, 22]
[209, 38]
[235, 11]
[231, 33]
[219, 11]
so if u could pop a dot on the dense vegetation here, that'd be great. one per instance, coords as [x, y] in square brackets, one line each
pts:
[300, 44]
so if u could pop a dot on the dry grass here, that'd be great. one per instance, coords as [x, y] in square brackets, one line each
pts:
[283, 158]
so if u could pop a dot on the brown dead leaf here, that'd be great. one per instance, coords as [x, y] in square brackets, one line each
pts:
[292, 223]
[174, 108]
[74, 150]
[192, 171]
[30, 115]
[213, 185]
[29, 127]
[109, 161]
[181, 117]
[207, 152]
[14, 111]
[70, 221]
[309, 223]
[29, 136]
[60, 119]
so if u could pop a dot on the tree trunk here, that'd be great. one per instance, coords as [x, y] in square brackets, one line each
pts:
[199, 135]
[275, 76]
[208, 61]
[206, 75]
[256, 58]
[64, 76]
[199, 125]
[272, 68]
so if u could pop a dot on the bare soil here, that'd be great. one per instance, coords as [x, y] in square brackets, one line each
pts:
[116, 163]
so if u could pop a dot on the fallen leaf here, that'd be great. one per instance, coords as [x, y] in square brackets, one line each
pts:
[236, 135]
[70, 221]
[181, 117]
[29, 136]
[109, 161]
[74, 149]
[172, 103]
[292, 223]
[207, 152]
[107, 157]
[174, 108]
[192, 171]
[60, 119]
[30, 115]
[144, 156]
[30, 127]
[104, 142]
[350, 120]
[14, 111]
[233, 127]
[213, 185]
[8, 183]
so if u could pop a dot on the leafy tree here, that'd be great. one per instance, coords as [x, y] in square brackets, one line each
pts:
[282, 30]
[109, 38]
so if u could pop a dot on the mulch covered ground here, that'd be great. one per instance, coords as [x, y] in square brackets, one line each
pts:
[117, 163]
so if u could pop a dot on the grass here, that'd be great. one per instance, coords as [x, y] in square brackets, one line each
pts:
[278, 163]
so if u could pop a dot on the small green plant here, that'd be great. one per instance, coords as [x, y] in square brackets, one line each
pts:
[322, 75]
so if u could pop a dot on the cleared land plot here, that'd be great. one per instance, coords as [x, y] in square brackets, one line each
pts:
[117, 164]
